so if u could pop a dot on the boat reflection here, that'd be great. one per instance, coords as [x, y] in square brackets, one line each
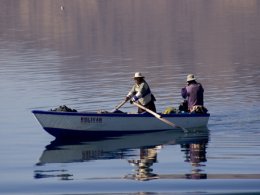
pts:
[140, 150]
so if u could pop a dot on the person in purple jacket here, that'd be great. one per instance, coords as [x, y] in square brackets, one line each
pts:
[193, 92]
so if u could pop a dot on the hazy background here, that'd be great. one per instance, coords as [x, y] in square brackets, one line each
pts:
[83, 53]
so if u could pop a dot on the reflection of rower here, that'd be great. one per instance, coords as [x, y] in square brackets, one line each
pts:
[143, 165]
[195, 153]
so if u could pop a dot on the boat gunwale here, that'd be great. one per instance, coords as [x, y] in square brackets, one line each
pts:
[119, 114]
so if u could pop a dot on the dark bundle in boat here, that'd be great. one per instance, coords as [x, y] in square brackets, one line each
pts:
[63, 108]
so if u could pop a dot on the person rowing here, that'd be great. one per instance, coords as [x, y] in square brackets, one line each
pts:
[141, 93]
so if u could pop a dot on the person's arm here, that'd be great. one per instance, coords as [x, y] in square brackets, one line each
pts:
[136, 95]
[130, 94]
[140, 93]
[184, 92]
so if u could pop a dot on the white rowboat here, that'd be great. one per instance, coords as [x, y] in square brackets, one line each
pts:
[80, 124]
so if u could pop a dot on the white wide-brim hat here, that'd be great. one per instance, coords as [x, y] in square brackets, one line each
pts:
[191, 77]
[138, 75]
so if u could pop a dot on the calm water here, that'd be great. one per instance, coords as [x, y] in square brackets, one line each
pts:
[84, 53]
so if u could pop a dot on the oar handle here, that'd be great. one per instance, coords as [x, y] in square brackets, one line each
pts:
[158, 116]
[120, 105]
[147, 110]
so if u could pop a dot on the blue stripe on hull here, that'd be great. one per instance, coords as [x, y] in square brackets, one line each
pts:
[90, 135]
[145, 114]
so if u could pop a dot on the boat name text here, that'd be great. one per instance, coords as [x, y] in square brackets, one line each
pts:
[91, 120]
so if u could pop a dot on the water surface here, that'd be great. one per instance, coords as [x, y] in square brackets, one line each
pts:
[84, 53]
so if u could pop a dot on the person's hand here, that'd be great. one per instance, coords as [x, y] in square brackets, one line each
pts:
[127, 98]
[134, 99]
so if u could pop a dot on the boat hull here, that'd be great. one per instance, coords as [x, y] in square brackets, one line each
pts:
[67, 124]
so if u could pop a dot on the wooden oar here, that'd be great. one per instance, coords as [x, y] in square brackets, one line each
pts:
[159, 116]
[119, 105]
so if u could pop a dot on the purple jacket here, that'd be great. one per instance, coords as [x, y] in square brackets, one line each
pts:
[194, 94]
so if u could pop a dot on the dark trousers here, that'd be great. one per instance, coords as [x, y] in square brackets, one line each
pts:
[150, 106]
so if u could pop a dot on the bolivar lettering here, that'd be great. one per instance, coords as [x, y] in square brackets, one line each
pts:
[91, 120]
